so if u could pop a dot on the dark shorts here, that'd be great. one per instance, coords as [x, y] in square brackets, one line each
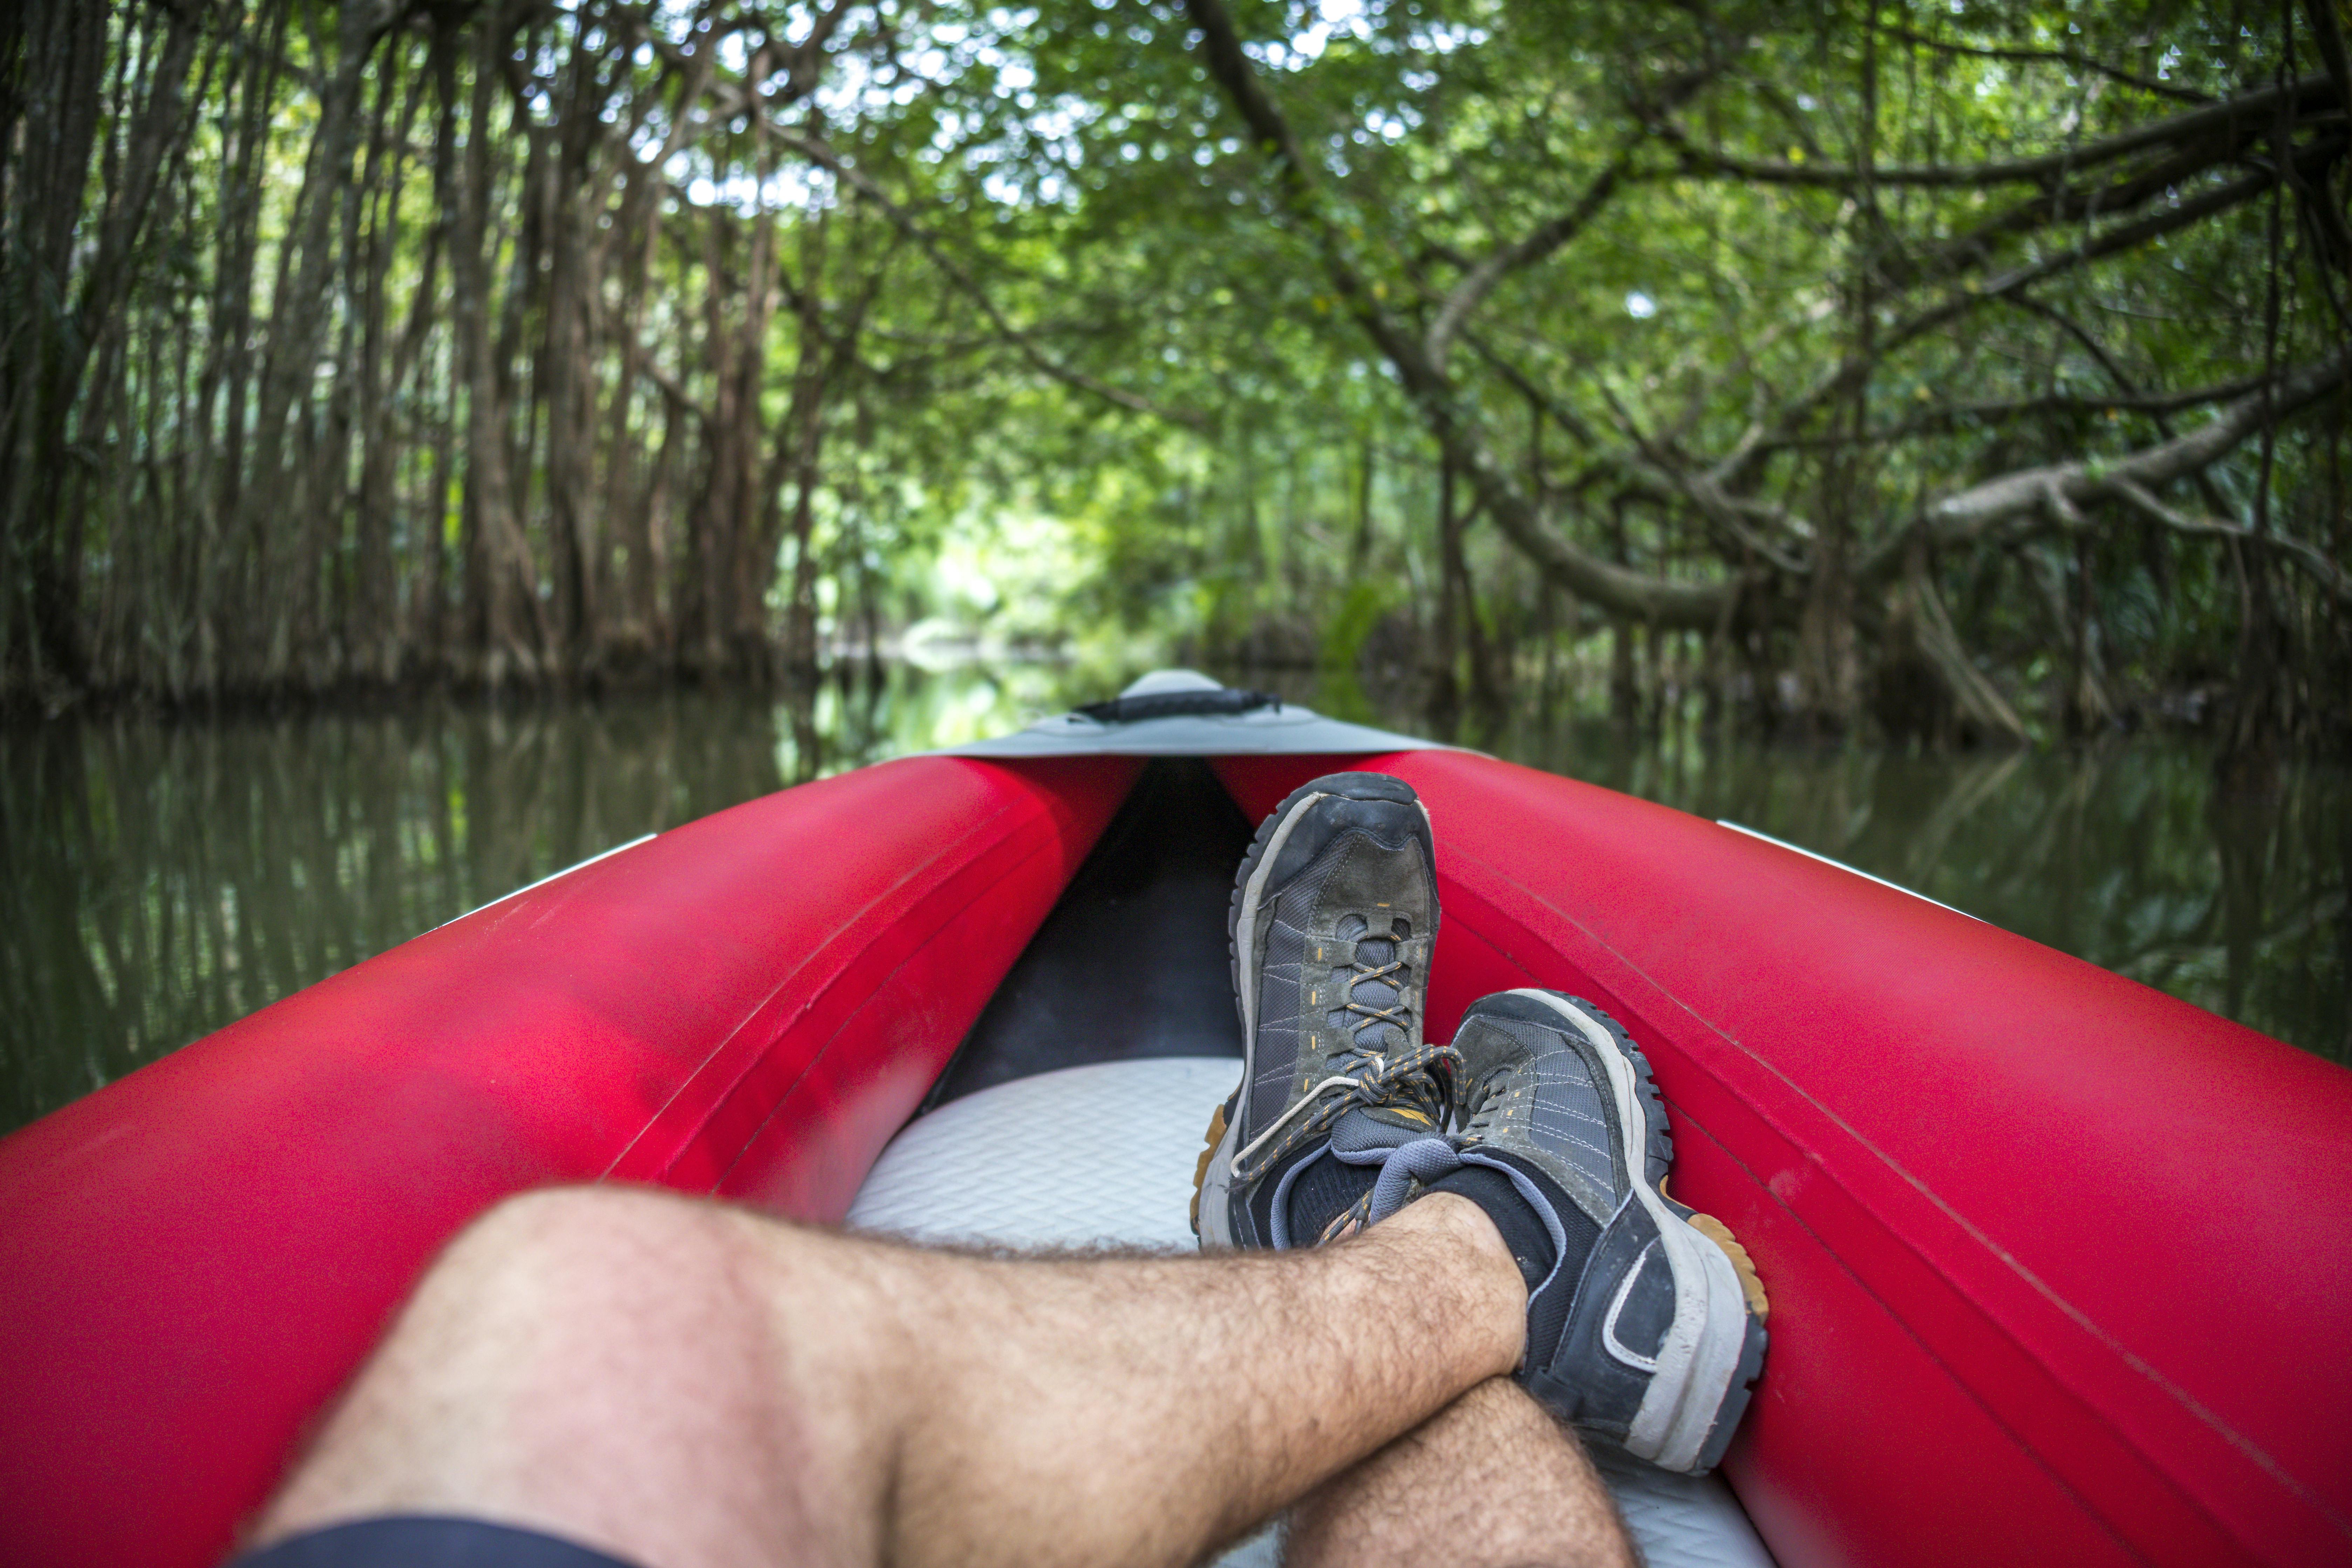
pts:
[402, 1541]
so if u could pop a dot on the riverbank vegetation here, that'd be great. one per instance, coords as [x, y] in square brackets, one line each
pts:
[1964, 372]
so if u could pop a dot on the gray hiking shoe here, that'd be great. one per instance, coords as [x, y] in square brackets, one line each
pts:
[1333, 914]
[1651, 1340]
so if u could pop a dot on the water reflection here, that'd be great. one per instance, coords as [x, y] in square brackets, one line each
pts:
[2124, 854]
[163, 877]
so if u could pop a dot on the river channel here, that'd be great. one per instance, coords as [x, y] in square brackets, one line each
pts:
[163, 877]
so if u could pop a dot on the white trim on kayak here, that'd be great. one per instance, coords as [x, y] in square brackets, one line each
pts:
[1799, 848]
[552, 876]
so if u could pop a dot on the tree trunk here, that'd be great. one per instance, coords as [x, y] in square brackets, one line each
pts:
[297, 321]
[1445, 627]
[804, 438]
[566, 368]
[498, 577]
[1359, 549]
[638, 631]
[373, 631]
[43, 500]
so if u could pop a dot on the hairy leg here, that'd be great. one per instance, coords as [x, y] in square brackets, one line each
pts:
[1491, 1481]
[688, 1385]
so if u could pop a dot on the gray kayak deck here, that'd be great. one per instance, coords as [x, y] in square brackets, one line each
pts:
[1102, 1155]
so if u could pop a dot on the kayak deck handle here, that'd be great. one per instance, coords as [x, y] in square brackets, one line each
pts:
[1225, 700]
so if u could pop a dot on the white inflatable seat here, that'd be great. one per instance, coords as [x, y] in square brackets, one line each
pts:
[1116, 1170]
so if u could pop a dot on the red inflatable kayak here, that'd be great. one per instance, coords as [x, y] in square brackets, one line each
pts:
[2061, 1268]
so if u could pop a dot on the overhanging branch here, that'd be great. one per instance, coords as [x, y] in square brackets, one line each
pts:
[2033, 494]
[1855, 370]
[2073, 59]
[1449, 418]
[2326, 573]
[1021, 342]
[1945, 418]
[1472, 291]
[2241, 118]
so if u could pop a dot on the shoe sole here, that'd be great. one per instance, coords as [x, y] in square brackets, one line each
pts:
[1715, 1349]
[1213, 1220]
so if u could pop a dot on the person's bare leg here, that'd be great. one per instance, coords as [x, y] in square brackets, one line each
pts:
[1491, 1481]
[686, 1385]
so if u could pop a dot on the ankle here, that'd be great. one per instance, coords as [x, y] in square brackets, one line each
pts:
[1479, 1262]
[1459, 1215]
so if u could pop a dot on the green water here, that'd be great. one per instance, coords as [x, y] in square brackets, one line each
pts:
[162, 877]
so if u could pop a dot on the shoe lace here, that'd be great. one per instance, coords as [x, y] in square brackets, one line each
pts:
[1423, 1160]
[1480, 1109]
[1371, 1014]
[1367, 1077]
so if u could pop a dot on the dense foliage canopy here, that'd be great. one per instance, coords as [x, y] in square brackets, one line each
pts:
[1974, 370]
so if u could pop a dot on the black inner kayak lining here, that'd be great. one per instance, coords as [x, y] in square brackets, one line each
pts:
[1131, 963]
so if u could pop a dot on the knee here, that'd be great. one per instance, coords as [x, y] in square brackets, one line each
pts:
[594, 1218]
[590, 1251]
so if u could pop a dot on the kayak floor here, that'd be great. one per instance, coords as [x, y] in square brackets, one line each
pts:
[1132, 962]
[1102, 1155]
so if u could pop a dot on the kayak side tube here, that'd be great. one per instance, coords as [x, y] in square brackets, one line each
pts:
[197, 1257]
[2060, 1267]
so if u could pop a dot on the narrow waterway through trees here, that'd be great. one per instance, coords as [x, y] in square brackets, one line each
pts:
[165, 877]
